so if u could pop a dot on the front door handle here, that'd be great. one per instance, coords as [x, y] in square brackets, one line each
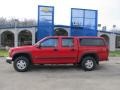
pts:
[55, 49]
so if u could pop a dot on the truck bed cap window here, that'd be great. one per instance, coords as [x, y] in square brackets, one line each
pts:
[91, 42]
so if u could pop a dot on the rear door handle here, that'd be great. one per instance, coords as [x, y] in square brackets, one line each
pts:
[72, 49]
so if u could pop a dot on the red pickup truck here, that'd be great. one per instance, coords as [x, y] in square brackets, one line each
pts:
[83, 51]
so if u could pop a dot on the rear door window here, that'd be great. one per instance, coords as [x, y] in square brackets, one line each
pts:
[67, 42]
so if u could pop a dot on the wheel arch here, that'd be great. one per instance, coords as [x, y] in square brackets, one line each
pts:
[28, 55]
[94, 55]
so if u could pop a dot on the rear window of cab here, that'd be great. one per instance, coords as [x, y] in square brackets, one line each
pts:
[91, 42]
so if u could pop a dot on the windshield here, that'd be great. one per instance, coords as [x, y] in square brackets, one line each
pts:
[38, 43]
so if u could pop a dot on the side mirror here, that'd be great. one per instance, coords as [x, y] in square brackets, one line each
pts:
[38, 46]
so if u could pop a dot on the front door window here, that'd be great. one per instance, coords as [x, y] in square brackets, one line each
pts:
[52, 42]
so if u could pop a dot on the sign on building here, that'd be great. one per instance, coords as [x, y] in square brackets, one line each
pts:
[83, 22]
[45, 22]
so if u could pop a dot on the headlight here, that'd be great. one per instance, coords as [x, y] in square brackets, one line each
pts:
[10, 52]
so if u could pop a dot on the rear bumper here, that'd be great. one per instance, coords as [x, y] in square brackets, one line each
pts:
[9, 60]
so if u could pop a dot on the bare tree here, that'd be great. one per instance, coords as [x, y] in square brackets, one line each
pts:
[16, 22]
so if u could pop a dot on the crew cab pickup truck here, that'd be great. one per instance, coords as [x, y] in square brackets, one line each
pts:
[82, 51]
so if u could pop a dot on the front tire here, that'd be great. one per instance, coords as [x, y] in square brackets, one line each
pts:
[88, 63]
[21, 64]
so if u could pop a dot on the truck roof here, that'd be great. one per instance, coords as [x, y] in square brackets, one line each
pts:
[75, 36]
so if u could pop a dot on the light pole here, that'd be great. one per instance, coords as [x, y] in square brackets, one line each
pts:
[16, 35]
[15, 21]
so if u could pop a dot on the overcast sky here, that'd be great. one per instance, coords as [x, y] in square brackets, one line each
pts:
[108, 10]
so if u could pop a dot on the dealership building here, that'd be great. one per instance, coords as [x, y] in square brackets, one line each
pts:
[84, 22]
[19, 36]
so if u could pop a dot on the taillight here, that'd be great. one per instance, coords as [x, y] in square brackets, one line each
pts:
[107, 49]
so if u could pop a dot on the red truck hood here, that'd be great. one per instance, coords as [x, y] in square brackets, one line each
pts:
[22, 48]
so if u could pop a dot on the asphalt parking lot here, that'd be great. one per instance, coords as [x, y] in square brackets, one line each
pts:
[62, 77]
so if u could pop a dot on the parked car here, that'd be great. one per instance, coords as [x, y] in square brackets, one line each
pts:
[83, 51]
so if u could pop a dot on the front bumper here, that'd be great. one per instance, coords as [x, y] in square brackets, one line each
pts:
[9, 60]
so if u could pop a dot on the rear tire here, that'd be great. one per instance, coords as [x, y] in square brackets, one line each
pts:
[88, 63]
[21, 64]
